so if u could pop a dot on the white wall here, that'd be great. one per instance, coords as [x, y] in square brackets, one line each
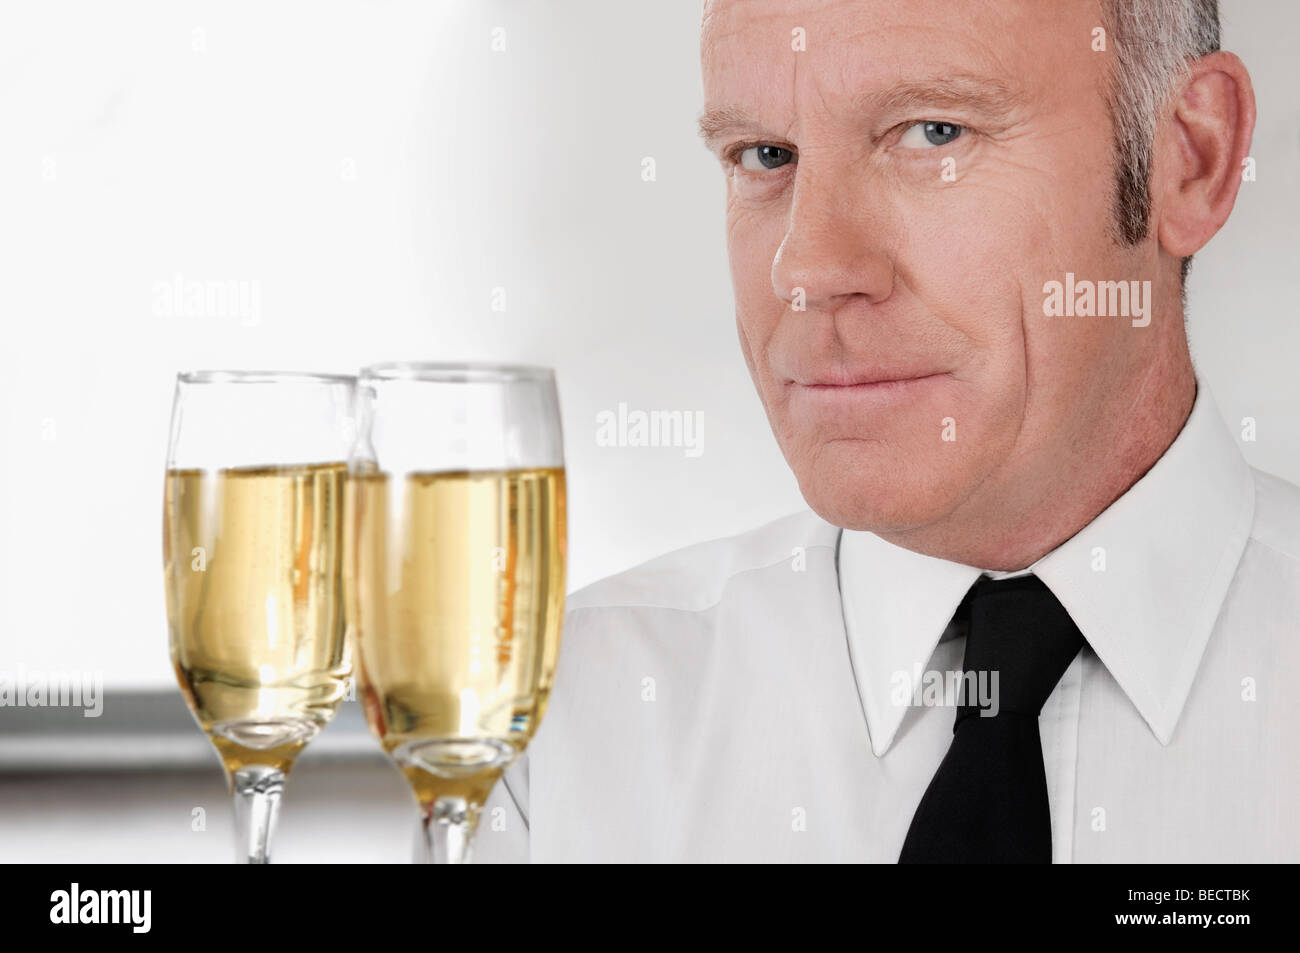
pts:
[376, 170]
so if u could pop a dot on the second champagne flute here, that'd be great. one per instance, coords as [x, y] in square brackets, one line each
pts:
[456, 555]
[252, 550]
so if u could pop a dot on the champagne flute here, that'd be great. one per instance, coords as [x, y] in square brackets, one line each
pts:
[253, 557]
[456, 561]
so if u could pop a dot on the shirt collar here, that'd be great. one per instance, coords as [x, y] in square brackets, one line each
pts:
[1144, 582]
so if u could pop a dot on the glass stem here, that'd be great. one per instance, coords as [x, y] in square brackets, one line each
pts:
[446, 831]
[257, 805]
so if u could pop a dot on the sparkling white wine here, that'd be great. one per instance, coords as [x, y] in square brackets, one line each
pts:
[455, 606]
[253, 559]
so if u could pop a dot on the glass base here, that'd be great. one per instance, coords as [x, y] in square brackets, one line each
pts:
[262, 735]
[455, 757]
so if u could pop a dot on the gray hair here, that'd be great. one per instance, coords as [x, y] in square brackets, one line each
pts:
[1154, 43]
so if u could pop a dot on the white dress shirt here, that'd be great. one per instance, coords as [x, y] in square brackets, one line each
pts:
[738, 700]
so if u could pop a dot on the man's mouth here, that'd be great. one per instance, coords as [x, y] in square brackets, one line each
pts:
[831, 398]
[881, 381]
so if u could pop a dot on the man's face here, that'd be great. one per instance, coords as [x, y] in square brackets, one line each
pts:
[898, 193]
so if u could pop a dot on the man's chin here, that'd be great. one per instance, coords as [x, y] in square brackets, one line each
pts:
[880, 496]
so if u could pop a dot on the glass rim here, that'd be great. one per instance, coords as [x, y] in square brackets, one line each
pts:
[262, 377]
[456, 372]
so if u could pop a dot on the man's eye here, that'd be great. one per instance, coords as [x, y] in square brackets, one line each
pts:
[927, 135]
[764, 158]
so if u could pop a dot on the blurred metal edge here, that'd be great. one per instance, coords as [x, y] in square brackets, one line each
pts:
[147, 731]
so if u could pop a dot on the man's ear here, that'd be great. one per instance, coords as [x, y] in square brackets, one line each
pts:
[1201, 153]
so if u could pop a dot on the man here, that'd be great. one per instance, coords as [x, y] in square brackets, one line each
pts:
[958, 233]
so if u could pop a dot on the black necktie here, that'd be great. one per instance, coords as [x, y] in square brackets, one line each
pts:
[987, 803]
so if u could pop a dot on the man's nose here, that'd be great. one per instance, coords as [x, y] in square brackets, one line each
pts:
[834, 246]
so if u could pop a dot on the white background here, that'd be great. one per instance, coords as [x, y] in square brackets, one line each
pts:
[376, 170]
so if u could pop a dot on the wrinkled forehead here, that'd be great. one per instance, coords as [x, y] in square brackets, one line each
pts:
[773, 49]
